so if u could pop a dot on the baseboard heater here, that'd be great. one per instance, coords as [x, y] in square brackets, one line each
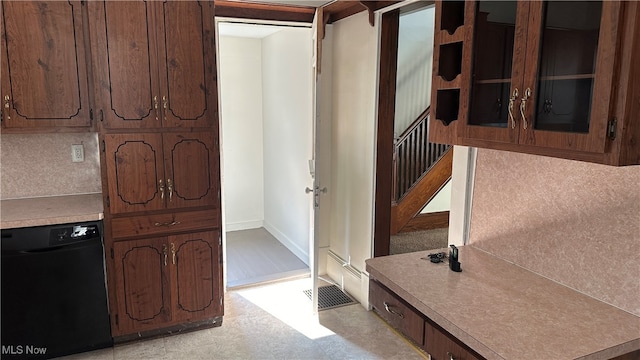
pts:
[350, 269]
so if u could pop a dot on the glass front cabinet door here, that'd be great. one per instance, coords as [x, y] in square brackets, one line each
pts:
[533, 73]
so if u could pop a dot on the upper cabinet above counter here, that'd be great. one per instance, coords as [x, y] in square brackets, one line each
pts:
[69, 65]
[43, 78]
[549, 78]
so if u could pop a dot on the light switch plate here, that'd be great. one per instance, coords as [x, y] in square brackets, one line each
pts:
[77, 153]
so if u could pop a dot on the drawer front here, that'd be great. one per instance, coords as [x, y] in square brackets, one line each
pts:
[395, 312]
[442, 346]
[164, 223]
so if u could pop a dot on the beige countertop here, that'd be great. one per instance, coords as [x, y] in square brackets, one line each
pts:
[51, 210]
[503, 311]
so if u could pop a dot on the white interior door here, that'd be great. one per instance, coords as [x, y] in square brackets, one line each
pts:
[315, 164]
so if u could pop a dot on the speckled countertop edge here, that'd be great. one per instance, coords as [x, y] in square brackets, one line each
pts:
[500, 310]
[18, 213]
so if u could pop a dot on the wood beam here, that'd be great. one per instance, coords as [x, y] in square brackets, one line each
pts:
[248, 10]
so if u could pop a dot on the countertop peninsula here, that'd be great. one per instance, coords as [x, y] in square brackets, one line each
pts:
[504, 311]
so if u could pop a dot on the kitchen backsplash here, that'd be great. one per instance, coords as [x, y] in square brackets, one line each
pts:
[34, 165]
[576, 223]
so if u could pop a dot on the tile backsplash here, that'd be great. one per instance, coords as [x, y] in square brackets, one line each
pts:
[34, 165]
[576, 223]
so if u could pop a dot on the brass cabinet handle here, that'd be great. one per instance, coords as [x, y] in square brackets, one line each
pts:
[168, 224]
[164, 252]
[7, 100]
[165, 105]
[173, 253]
[512, 99]
[161, 188]
[390, 310]
[523, 107]
[155, 106]
[450, 355]
[170, 188]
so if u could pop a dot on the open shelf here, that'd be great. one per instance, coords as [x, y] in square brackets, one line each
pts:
[452, 16]
[450, 62]
[448, 105]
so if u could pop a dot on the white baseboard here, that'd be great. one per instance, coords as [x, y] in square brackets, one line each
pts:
[302, 254]
[352, 280]
[244, 225]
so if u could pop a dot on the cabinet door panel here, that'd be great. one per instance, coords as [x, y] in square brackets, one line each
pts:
[187, 63]
[569, 71]
[191, 164]
[44, 75]
[498, 50]
[125, 63]
[442, 347]
[141, 284]
[196, 276]
[134, 169]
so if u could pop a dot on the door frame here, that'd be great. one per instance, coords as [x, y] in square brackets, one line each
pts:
[464, 157]
[313, 253]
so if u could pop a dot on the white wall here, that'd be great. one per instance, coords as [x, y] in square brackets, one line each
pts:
[415, 58]
[353, 147]
[441, 201]
[240, 63]
[288, 134]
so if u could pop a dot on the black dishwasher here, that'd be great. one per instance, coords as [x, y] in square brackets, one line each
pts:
[54, 299]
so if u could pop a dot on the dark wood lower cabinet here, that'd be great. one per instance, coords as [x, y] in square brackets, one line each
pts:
[442, 346]
[416, 326]
[165, 281]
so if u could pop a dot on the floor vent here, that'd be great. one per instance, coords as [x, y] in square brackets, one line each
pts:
[330, 297]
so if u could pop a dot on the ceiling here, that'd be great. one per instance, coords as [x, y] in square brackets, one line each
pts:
[247, 30]
[312, 3]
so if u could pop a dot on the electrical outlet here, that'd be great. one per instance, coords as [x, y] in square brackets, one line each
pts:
[77, 153]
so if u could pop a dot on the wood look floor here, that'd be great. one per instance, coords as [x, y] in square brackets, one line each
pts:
[255, 256]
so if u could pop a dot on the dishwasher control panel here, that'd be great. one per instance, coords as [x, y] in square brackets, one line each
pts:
[70, 234]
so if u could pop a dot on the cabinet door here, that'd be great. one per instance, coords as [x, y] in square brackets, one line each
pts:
[134, 172]
[192, 170]
[196, 276]
[125, 63]
[142, 287]
[498, 68]
[570, 64]
[187, 63]
[44, 75]
[443, 347]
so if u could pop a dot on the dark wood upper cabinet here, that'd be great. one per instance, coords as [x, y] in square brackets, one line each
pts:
[44, 72]
[154, 63]
[191, 169]
[539, 77]
[135, 172]
[155, 171]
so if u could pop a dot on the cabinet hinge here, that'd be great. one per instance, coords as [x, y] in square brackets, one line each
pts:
[112, 256]
[611, 128]
[90, 111]
[104, 146]
[108, 202]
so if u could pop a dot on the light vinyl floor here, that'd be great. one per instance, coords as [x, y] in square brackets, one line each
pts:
[274, 321]
[256, 256]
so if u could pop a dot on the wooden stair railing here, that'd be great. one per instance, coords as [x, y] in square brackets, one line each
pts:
[420, 168]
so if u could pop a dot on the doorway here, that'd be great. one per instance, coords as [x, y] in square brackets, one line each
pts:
[265, 82]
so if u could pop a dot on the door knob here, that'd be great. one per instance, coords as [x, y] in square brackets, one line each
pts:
[307, 190]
